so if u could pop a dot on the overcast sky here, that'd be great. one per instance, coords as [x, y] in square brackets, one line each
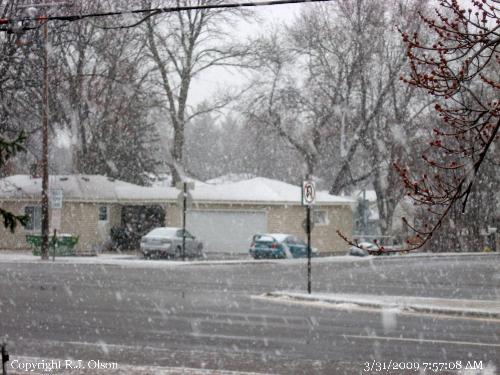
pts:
[208, 83]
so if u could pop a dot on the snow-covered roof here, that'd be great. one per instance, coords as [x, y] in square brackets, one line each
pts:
[82, 188]
[230, 178]
[96, 188]
[261, 189]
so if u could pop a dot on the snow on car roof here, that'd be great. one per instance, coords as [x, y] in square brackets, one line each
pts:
[164, 231]
[280, 237]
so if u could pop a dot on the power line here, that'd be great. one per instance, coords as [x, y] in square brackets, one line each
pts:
[148, 13]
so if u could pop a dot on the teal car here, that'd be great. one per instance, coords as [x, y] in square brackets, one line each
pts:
[278, 246]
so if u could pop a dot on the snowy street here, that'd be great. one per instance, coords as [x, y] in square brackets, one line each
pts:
[155, 317]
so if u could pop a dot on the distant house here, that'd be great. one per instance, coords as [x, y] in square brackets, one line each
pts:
[224, 216]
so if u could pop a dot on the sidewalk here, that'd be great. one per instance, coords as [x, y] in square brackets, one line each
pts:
[134, 260]
[460, 307]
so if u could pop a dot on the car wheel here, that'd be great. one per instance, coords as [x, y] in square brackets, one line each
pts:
[147, 255]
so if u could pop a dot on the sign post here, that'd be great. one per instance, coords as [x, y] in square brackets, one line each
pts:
[56, 204]
[184, 199]
[308, 199]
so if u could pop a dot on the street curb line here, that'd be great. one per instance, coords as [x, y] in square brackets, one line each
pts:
[381, 305]
[435, 255]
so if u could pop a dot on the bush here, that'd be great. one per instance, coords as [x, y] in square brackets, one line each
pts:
[121, 238]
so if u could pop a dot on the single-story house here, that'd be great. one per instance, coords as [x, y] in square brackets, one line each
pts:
[223, 216]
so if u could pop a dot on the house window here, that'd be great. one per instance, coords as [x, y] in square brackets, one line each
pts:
[34, 214]
[103, 213]
[320, 217]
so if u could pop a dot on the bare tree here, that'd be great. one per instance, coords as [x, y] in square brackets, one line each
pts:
[181, 47]
[100, 97]
[278, 106]
[328, 87]
[459, 65]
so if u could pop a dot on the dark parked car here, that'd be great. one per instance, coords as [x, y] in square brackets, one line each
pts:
[166, 242]
[278, 246]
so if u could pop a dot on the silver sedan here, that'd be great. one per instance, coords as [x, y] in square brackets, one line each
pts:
[166, 242]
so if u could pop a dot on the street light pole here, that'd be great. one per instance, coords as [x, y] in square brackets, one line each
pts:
[45, 147]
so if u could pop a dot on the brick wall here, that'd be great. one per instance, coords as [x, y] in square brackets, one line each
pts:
[80, 219]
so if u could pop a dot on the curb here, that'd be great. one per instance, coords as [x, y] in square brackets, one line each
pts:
[472, 313]
[434, 255]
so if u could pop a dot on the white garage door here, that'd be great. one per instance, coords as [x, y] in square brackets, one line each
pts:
[226, 231]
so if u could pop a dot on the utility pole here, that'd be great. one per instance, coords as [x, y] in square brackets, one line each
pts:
[45, 122]
[45, 147]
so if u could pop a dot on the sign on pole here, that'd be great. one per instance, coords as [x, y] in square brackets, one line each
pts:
[308, 193]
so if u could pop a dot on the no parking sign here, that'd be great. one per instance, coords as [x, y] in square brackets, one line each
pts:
[308, 193]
